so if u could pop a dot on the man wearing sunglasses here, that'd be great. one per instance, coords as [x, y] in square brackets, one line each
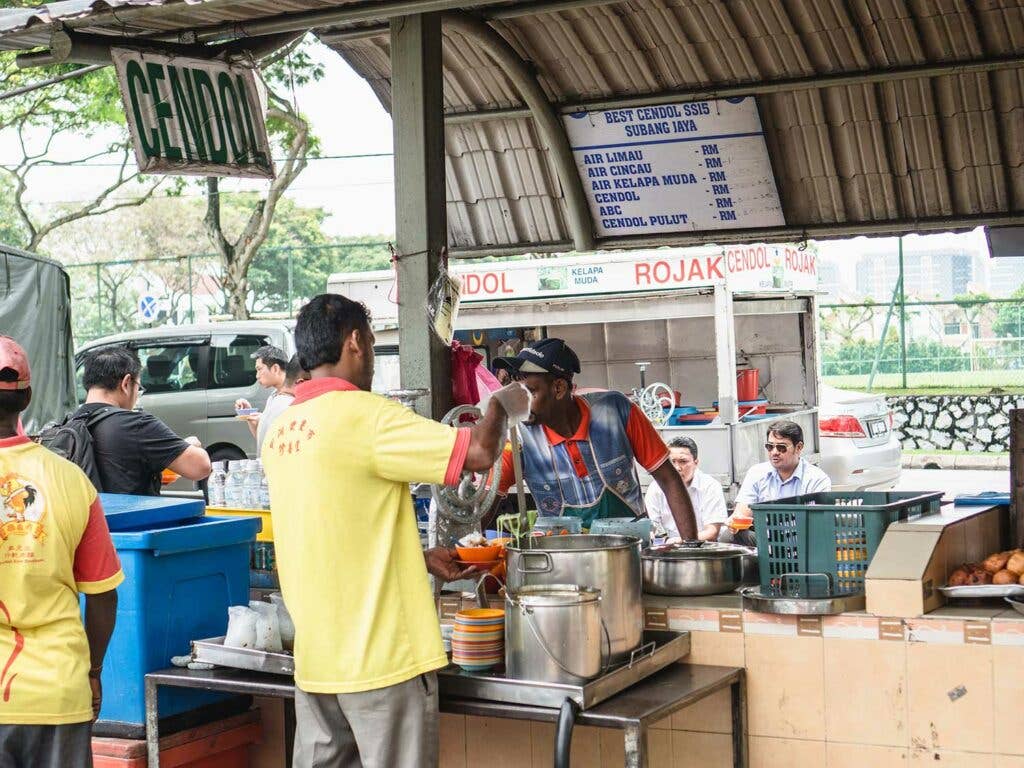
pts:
[579, 451]
[785, 474]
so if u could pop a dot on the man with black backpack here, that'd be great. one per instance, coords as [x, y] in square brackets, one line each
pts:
[124, 450]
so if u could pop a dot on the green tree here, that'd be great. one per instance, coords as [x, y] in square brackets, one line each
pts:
[1010, 317]
[290, 135]
[856, 357]
[11, 230]
[49, 125]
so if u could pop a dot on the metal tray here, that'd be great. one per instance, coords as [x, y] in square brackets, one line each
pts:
[983, 590]
[213, 651]
[755, 600]
[658, 649]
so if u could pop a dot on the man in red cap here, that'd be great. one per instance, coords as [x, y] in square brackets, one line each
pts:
[54, 544]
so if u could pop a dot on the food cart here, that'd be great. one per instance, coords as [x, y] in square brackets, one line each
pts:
[693, 317]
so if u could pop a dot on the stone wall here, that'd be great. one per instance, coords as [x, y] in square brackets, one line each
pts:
[978, 423]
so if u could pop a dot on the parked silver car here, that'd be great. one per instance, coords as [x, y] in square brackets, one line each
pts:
[193, 374]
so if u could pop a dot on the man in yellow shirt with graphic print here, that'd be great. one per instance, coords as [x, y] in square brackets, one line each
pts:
[339, 461]
[54, 543]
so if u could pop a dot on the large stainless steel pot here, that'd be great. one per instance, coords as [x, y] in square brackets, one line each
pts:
[608, 563]
[708, 569]
[553, 634]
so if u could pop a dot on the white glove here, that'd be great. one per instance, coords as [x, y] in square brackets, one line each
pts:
[515, 399]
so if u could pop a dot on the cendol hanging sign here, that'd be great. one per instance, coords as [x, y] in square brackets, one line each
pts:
[193, 116]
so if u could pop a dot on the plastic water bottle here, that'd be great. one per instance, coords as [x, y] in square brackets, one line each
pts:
[234, 493]
[215, 485]
[264, 488]
[252, 485]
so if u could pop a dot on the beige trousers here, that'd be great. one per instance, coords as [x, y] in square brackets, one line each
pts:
[393, 727]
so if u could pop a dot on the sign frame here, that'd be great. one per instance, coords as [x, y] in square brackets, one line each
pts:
[207, 114]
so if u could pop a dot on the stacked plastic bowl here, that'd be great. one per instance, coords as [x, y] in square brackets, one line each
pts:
[478, 639]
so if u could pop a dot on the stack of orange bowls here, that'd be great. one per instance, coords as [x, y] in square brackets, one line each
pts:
[478, 639]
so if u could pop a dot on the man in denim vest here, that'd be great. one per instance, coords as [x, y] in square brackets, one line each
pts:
[580, 451]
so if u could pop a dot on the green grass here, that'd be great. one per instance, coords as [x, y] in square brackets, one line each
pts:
[956, 383]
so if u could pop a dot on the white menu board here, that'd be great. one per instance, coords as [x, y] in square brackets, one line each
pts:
[696, 166]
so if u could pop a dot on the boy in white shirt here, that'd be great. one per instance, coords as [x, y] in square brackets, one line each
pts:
[705, 492]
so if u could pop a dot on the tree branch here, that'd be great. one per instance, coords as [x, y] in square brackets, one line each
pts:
[258, 225]
[212, 221]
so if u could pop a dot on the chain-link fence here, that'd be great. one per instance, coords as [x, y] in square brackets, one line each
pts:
[956, 344]
[123, 295]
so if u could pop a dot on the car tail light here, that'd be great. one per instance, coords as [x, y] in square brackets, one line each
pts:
[841, 426]
[890, 421]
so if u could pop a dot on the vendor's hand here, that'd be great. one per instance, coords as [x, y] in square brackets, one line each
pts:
[97, 695]
[242, 403]
[441, 563]
[515, 400]
[252, 418]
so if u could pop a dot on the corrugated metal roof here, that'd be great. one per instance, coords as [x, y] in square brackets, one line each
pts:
[863, 153]
[904, 150]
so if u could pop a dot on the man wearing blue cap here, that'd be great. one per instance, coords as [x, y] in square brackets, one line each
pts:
[580, 451]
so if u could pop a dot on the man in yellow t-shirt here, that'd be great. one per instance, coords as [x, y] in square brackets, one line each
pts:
[339, 461]
[54, 543]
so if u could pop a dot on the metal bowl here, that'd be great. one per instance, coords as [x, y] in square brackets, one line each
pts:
[687, 570]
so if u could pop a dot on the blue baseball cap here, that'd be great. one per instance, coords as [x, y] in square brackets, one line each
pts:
[552, 356]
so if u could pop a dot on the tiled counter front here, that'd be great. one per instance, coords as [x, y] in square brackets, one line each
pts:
[850, 691]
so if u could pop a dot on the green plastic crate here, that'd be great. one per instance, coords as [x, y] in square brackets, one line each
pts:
[816, 533]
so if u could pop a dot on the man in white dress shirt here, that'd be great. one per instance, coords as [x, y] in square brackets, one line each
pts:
[705, 493]
[784, 475]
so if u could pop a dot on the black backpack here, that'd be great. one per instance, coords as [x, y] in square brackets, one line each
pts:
[72, 439]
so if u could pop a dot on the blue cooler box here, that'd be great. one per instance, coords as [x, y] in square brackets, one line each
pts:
[182, 571]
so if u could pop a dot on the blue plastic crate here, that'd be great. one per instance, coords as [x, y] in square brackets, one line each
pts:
[180, 578]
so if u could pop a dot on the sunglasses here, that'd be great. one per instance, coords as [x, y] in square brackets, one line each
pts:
[780, 447]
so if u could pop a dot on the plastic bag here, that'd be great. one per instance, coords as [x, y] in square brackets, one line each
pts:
[443, 305]
[241, 627]
[465, 364]
[268, 630]
[284, 619]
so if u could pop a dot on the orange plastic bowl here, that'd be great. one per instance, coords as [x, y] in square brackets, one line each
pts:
[487, 554]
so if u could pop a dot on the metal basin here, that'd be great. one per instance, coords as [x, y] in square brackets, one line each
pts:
[610, 564]
[709, 569]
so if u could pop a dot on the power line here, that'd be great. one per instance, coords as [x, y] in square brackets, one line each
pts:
[50, 81]
[198, 195]
[360, 156]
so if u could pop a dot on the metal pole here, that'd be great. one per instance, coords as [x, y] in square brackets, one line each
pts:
[903, 319]
[291, 303]
[421, 231]
[99, 303]
[885, 329]
[191, 292]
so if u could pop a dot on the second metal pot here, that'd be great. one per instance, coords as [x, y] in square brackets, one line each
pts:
[553, 634]
[709, 569]
[610, 564]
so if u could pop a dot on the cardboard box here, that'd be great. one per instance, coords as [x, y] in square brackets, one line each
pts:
[916, 557]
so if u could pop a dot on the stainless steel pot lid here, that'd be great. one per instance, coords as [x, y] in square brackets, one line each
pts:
[552, 595]
[706, 550]
[578, 542]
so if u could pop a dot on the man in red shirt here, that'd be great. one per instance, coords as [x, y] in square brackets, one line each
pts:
[54, 544]
[579, 450]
